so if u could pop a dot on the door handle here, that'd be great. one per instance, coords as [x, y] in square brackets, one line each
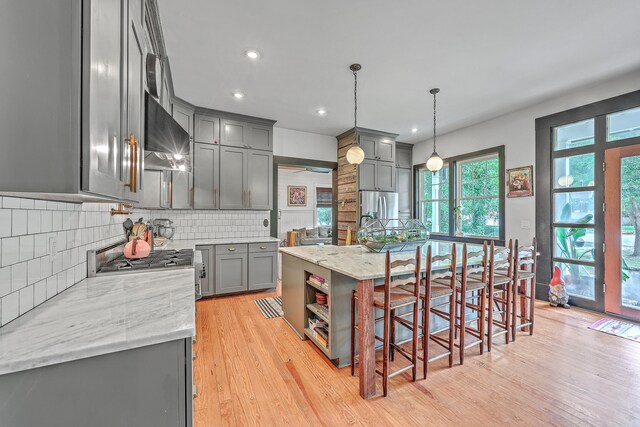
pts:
[215, 198]
[250, 204]
[131, 141]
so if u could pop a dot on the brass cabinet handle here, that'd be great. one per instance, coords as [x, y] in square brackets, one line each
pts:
[263, 247]
[250, 198]
[135, 164]
[244, 198]
[215, 198]
[131, 171]
[231, 249]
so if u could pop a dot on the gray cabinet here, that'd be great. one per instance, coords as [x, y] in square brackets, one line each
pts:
[375, 175]
[206, 161]
[260, 137]
[134, 105]
[259, 180]
[181, 190]
[377, 147]
[231, 269]
[183, 114]
[263, 268]
[404, 156]
[233, 133]
[157, 193]
[238, 268]
[233, 185]
[149, 386]
[209, 260]
[206, 129]
[405, 192]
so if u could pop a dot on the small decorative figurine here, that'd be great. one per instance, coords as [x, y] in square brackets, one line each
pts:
[558, 295]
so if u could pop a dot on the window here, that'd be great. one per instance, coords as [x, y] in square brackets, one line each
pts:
[574, 135]
[624, 124]
[478, 195]
[475, 183]
[324, 197]
[434, 200]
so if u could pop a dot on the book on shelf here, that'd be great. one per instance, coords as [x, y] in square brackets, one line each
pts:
[323, 309]
[315, 281]
[316, 278]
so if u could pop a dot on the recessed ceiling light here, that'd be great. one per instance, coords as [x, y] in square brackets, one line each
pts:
[238, 95]
[414, 130]
[321, 111]
[253, 54]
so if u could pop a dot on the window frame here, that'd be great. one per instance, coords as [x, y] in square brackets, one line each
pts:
[453, 194]
[421, 200]
[323, 205]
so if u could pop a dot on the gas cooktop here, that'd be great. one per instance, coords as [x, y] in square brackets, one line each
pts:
[164, 259]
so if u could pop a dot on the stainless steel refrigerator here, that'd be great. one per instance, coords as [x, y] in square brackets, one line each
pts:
[379, 204]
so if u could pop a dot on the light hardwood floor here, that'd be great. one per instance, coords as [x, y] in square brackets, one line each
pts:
[256, 371]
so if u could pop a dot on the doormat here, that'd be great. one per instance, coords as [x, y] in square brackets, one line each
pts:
[270, 307]
[617, 328]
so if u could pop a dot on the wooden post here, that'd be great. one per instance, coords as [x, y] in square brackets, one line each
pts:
[366, 339]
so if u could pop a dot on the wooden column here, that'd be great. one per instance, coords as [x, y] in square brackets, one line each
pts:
[366, 339]
[347, 189]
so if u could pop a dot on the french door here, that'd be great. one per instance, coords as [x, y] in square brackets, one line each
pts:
[622, 231]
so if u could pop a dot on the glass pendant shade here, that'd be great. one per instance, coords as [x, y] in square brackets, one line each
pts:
[435, 163]
[355, 155]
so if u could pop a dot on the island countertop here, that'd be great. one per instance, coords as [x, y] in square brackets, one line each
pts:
[101, 315]
[357, 262]
[191, 243]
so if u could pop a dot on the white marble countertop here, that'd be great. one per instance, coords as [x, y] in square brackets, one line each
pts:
[359, 263]
[191, 244]
[101, 315]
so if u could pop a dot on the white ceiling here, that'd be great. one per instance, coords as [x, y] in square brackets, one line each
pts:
[488, 57]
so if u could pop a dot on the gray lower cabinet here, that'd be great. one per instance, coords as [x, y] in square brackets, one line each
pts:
[263, 268]
[147, 386]
[239, 268]
[206, 176]
[206, 129]
[231, 273]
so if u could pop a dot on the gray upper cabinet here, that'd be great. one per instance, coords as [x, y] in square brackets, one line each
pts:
[260, 137]
[183, 114]
[233, 185]
[385, 176]
[386, 149]
[206, 129]
[206, 177]
[102, 141]
[404, 156]
[134, 105]
[259, 180]
[181, 190]
[405, 192]
[233, 133]
[375, 175]
[368, 145]
[367, 175]
[231, 271]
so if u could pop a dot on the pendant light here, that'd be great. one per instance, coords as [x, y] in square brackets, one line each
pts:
[434, 164]
[355, 154]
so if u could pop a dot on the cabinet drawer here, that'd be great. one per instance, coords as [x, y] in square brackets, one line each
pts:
[263, 247]
[231, 249]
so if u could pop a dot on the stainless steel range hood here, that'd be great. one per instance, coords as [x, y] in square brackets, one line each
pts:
[154, 160]
[166, 143]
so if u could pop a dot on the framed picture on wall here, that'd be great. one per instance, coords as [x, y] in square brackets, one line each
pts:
[520, 182]
[297, 195]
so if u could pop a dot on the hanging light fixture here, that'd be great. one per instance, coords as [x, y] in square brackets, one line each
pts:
[355, 155]
[434, 164]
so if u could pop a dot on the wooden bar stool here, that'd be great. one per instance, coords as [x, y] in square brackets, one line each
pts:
[499, 292]
[471, 294]
[394, 294]
[524, 288]
[442, 283]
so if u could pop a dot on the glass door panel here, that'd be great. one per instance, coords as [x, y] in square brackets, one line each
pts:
[622, 231]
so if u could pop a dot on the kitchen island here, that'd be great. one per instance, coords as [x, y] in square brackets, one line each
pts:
[337, 271]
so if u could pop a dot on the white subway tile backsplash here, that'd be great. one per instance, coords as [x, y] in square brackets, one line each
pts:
[27, 203]
[39, 292]
[5, 281]
[10, 250]
[52, 286]
[10, 307]
[19, 221]
[10, 202]
[19, 276]
[26, 299]
[5, 222]
[26, 247]
[33, 219]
